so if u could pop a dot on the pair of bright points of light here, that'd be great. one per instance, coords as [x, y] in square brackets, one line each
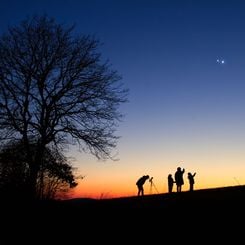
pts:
[220, 61]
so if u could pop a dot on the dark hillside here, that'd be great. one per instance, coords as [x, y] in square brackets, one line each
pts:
[209, 215]
[215, 198]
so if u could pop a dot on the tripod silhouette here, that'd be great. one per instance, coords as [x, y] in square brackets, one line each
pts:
[152, 185]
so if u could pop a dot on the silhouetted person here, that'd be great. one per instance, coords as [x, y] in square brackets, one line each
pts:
[179, 178]
[191, 180]
[140, 182]
[170, 183]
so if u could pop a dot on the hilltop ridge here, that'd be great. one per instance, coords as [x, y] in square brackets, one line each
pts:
[212, 197]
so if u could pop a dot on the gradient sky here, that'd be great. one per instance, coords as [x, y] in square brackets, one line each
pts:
[185, 108]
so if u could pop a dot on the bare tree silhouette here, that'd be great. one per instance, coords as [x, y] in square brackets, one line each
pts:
[56, 90]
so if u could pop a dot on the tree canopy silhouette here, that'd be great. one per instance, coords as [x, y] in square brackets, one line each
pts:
[55, 176]
[56, 90]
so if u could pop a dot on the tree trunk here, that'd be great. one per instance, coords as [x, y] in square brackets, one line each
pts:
[32, 188]
[35, 168]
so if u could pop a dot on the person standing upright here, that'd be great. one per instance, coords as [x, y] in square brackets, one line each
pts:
[191, 180]
[170, 183]
[179, 178]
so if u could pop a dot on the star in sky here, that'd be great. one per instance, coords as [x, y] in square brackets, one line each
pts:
[220, 61]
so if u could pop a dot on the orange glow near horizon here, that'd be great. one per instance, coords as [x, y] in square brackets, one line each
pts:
[217, 158]
[110, 181]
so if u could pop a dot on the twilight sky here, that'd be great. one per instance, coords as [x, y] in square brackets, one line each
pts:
[186, 107]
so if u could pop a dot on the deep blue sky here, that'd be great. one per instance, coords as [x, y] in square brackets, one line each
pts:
[184, 107]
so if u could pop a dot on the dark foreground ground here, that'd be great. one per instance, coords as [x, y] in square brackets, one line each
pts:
[202, 217]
